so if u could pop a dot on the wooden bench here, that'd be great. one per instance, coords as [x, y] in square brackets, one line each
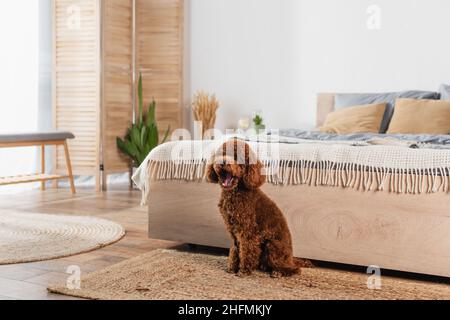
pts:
[41, 140]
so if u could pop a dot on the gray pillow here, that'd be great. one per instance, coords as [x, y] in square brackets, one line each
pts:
[444, 90]
[348, 100]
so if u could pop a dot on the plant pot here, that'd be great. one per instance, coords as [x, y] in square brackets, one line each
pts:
[260, 128]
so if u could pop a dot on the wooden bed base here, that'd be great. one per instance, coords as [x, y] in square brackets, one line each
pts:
[393, 231]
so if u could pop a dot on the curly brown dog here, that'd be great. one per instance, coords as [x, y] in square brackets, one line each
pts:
[257, 226]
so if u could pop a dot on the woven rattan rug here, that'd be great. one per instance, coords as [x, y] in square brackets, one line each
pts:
[26, 237]
[166, 274]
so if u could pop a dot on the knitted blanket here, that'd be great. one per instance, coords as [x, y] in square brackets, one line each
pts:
[379, 165]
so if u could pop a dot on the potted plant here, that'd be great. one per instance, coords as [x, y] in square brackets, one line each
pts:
[258, 124]
[143, 136]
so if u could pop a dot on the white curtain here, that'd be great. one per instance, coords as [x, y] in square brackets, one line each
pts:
[25, 80]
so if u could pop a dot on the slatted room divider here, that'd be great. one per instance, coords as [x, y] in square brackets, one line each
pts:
[99, 48]
[159, 42]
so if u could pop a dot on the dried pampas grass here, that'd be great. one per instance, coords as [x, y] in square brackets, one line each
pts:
[204, 108]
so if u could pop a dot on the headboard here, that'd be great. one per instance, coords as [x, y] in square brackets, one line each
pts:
[325, 105]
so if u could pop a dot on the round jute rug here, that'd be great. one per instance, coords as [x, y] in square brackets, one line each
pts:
[26, 237]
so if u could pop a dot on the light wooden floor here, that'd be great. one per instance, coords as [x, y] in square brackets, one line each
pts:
[30, 280]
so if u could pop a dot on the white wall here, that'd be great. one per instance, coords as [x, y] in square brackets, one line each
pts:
[276, 55]
[245, 51]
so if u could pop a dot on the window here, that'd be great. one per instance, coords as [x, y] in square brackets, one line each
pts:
[25, 45]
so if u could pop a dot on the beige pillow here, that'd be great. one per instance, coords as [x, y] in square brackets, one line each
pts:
[420, 117]
[357, 119]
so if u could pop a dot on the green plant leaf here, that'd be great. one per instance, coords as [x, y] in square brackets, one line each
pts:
[151, 115]
[136, 137]
[127, 148]
[148, 148]
[121, 146]
[144, 136]
[166, 135]
[139, 159]
[258, 120]
[153, 140]
[131, 150]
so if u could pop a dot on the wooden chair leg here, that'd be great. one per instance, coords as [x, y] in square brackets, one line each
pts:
[69, 167]
[43, 165]
[104, 181]
[98, 181]
[55, 183]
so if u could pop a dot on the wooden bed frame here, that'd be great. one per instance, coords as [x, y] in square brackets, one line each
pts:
[393, 231]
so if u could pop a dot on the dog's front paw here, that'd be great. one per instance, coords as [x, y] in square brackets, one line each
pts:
[243, 274]
[232, 270]
[276, 274]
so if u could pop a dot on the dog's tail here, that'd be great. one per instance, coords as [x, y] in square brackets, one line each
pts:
[303, 263]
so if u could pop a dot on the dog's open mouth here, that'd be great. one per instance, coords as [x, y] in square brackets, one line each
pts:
[228, 180]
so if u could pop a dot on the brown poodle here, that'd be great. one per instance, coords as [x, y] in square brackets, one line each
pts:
[257, 226]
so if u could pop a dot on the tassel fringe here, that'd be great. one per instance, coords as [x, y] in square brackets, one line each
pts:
[322, 173]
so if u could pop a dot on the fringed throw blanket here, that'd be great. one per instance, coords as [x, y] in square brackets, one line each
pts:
[381, 165]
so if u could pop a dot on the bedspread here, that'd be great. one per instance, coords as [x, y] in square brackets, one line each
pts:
[377, 164]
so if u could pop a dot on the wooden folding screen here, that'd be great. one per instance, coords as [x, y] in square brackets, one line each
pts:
[117, 82]
[98, 44]
[76, 82]
[159, 57]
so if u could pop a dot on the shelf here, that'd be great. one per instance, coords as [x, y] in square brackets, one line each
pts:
[30, 178]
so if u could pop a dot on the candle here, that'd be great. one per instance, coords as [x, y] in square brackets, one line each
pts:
[244, 123]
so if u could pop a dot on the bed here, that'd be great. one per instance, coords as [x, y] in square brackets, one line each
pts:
[395, 219]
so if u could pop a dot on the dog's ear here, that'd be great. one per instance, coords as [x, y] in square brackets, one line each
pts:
[253, 177]
[211, 174]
